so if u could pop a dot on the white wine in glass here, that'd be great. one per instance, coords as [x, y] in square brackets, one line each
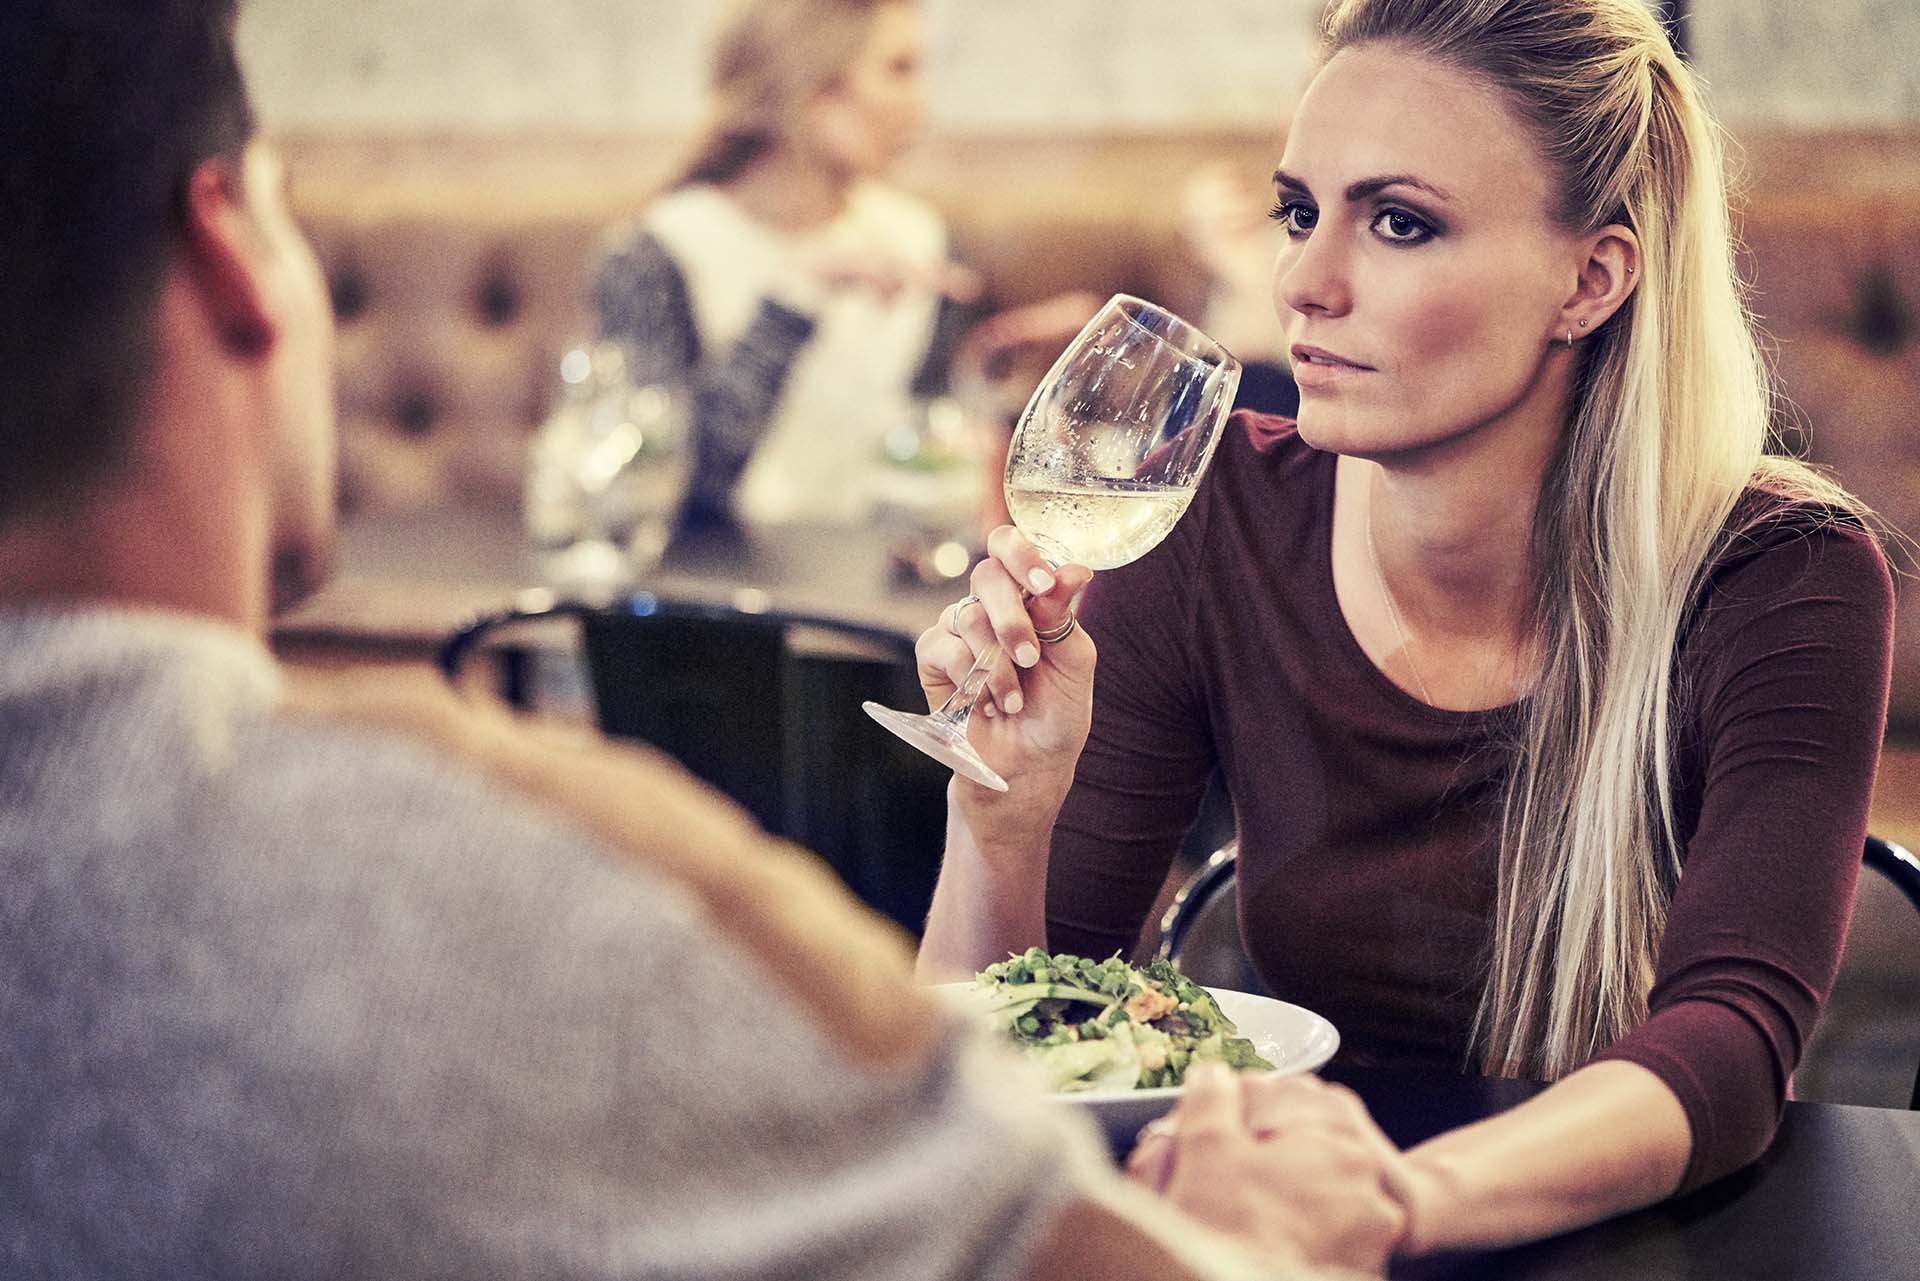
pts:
[1102, 465]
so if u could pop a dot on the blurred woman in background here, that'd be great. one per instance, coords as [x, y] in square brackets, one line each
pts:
[801, 299]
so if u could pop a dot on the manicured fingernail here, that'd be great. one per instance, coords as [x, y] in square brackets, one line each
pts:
[1042, 581]
[1027, 655]
[1015, 703]
[986, 710]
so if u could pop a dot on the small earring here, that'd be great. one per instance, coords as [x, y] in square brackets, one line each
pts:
[1583, 324]
[1629, 271]
[1569, 340]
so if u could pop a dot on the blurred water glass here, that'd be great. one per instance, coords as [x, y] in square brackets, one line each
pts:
[606, 472]
[928, 488]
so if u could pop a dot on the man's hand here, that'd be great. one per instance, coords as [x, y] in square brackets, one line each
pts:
[1279, 1164]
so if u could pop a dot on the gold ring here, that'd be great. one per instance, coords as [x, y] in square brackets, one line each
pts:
[1061, 632]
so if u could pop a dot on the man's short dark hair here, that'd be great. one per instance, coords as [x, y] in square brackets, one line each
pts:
[108, 107]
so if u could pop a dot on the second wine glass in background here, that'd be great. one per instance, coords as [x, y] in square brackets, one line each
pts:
[607, 471]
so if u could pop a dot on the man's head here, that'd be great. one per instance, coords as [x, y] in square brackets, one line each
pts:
[153, 277]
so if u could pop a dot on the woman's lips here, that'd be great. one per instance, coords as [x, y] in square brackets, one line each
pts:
[1317, 367]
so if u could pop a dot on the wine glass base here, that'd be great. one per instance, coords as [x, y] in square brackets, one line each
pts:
[940, 740]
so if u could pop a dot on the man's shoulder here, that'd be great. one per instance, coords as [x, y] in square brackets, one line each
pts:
[352, 775]
[356, 792]
[632, 808]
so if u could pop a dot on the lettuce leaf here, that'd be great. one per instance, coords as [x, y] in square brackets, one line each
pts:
[1109, 1064]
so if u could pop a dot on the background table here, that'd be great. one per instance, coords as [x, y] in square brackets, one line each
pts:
[1836, 1197]
[406, 580]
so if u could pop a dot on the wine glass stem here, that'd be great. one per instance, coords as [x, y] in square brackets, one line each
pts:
[959, 704]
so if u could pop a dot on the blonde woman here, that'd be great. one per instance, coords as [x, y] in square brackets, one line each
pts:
[1550, 704]
[801, 298]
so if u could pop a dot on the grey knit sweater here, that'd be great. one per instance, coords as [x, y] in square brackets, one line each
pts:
[286, 999]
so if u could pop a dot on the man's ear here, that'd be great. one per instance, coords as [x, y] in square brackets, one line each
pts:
[223, 256]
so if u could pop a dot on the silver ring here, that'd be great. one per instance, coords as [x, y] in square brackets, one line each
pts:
[1061, 632]
[959, 607]
[1159, 1127]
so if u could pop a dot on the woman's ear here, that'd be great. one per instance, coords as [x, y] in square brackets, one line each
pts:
[224, 257]
[1607, 277]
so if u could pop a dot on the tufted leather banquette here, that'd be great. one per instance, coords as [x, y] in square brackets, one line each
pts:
[459, 270]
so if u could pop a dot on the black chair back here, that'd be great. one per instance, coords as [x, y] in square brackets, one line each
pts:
[1901, 868]
[1200, 930]
[763, 705]
[1896, 864]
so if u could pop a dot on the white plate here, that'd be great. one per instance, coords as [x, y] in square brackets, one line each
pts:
[1294, 1039]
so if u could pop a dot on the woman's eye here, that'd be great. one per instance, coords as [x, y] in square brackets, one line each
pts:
[1401, 227]
[1296, 218]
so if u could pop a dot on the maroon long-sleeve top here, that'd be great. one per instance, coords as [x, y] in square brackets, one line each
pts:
[1368, 819]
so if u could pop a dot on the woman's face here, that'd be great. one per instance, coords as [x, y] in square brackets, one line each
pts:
[871, 113]
[1419, 255]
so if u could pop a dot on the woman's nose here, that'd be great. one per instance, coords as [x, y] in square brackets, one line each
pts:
[1310, 275]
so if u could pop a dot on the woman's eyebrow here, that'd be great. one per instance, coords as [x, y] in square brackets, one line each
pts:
[1362, 189]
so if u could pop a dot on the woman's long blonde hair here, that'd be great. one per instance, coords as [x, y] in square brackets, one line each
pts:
[1668, 426]
[770, 59]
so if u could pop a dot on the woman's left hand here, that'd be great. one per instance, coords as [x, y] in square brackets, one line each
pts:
[1287, 1163]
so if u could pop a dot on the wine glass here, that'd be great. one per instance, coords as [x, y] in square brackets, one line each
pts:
[1103, 462]
[607, 471]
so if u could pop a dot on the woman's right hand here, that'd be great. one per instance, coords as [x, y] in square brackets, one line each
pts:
[1031, 720]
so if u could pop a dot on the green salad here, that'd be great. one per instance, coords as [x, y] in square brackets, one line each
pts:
[1107, 1025]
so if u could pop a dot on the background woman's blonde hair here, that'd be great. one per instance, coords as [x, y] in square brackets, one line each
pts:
[1668, 426]
[770, 59]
